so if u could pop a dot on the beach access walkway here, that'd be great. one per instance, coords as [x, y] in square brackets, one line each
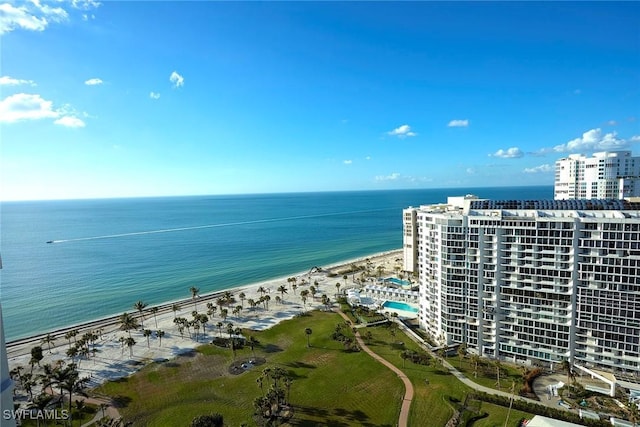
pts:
[403, 419]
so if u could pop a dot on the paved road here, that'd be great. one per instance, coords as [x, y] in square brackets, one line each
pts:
[403, 419]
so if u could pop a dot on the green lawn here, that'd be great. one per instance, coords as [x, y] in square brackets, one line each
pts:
[330, 386]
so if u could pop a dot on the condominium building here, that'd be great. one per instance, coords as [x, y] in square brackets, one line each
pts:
[605, 175]
[530, 281]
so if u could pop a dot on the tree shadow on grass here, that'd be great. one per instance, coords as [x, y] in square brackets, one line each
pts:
[271, 348]
[120, 401]
[300, 365]
[354, 416]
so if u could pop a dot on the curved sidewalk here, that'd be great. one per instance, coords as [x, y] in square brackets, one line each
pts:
[403, 419]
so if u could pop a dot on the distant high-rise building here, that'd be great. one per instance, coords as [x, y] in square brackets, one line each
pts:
[530, 281]
[605, 175]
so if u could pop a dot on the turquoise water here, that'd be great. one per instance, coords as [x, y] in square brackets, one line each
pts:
[400, 306]
[109, 253]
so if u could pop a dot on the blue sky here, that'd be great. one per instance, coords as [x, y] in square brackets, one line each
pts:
[123, 99]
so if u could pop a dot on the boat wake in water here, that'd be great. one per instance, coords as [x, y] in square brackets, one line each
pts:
[228, 224]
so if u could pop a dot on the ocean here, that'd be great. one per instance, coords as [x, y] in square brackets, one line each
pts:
[106, 254]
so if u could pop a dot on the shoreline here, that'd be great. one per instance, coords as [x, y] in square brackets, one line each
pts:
[110, 323]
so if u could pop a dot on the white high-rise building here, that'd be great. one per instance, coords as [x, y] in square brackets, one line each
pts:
[531, 281]
[606, 175]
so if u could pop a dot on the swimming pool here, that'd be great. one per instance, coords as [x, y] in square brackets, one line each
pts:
[400, 306]
[397, 281]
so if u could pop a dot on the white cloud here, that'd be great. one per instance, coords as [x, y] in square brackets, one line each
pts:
[23, 106]
[34, 15]
[635, 138]
[31, 16]
[70, 122]
[154, 95]
[612, 123]
[10, 81]
[85, 4]
[176, 79]
[93, 82]
[458, 123]
[347, 162]
[402, 131]
[593, 140]
[392, 177]
[509, 153]
[540, 169]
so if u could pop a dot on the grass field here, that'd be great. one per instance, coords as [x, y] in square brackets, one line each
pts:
[330, 386]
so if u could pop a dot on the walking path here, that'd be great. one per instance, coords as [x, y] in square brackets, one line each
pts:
[456, 373]
[403, 419]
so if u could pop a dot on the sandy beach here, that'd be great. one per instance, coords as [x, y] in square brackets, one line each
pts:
[113, 360]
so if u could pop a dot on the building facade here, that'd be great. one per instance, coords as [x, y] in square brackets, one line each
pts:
[530, 281]
[605, 175]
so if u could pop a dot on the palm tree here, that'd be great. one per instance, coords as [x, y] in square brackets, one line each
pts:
[345, 277]
[236, 310]
[462, 351]
[36, 356]
[127, 322]
[211, 309]
[278, 300]
[194, 293]
[498, 366]
[220, 325]
[568, 368]
[308, 332]
[196, 327]
[404, 355]
[68, 336]
[147, 333]
[48, 340]
[140, 306]
[242, 297]
[252, 343]
[221, 302]
[294, 287]
[224, 313]
[283, 290]
[230, 329]
[513, 391]
[267, 298]
[338, 287]
[475, 359]
[442, 353]
[130, 342]
[303, 295]
[154, 310]
[160, 334]
[203, 319]
[175, 308]
[262, 290]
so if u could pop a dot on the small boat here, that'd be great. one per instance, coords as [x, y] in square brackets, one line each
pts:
[49, 241]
